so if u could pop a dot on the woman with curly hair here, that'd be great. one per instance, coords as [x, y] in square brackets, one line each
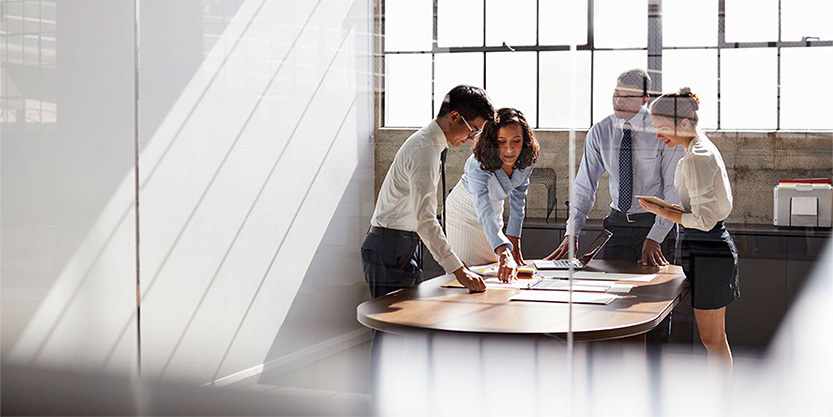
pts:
[502, 161]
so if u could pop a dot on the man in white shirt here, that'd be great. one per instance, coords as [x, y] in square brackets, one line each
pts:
[406, 210]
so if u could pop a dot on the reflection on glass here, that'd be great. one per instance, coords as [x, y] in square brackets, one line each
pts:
[28, 57]
[216, 15]
[510, 22]
[742, 27]
[407, 90]
[554, 101]
[451, 70]
[562, 22]
[621, 23]
[806, 88]
[695, 68]
[607, 66]
[459, 23]
[510, 81]
[800, 18]
[688, 23]
[408, 25]
[748, 97]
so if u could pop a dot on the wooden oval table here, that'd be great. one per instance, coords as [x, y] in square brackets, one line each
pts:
[430, 307]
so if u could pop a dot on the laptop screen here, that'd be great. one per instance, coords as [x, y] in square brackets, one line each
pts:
[596, 246]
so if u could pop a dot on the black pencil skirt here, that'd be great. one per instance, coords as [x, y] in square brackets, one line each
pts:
[710, 262]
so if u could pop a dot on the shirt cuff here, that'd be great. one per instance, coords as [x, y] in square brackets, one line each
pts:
[514, 227]
[691, 221]
[451, 263]
[657, 234]
[501, 239]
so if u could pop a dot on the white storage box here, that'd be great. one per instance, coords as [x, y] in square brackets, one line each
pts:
[805, 205]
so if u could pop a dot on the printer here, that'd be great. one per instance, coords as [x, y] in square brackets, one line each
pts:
[803, 204]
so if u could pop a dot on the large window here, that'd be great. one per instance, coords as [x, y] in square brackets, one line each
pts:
[766, 73]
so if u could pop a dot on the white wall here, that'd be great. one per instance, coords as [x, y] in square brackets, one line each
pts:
[255, 188]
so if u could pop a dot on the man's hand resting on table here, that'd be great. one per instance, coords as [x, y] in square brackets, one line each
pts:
[469, 279]
[652, 254]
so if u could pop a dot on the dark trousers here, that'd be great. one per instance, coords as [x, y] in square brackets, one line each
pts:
[626, 245]
[390, 262]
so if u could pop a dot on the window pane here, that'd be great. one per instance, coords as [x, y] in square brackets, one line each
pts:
[563, 22]
[607, 66]
[511, 23]
[806, 18]
[696, 69]
[451, 70]
[459, 23]
[621, 23]
[510, 81]
[554, 101]
[409, 25]
[748, 88]
[689, 23]
[407, 90]
[751, 21]
[806, 88]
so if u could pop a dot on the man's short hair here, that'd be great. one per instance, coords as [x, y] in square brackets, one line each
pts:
[469, 101]
[636, 77]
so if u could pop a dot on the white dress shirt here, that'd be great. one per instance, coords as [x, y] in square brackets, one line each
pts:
[703, 185]
[653, 170]
[408, 197]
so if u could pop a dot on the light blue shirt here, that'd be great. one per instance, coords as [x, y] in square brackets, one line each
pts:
[653, 170]
[486, 187]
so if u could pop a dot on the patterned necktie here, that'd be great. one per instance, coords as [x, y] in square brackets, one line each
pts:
[625, 170]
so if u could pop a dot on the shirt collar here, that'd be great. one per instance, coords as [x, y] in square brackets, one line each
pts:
[436, 132]
[637, 121]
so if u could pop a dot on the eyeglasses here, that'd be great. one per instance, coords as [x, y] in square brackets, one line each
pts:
[472, 133]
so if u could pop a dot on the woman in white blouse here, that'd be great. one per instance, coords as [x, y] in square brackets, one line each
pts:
[709, 254]
[502, 161]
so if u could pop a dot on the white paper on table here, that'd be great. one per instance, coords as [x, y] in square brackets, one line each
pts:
[564, 297]
[605, 276]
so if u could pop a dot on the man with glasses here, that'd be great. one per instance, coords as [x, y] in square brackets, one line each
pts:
[406, 210]
[624, 145]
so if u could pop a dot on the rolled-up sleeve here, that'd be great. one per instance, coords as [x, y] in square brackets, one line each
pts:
[662, 226]
[424, 169]
[478, 181]
[699, 174]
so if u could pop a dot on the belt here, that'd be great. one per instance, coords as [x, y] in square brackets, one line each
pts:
[631, 217]
[384, 231]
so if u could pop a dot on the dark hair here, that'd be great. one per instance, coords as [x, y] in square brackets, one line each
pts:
[636, 77]
[468, 101]
[486, 148]
[677, 106]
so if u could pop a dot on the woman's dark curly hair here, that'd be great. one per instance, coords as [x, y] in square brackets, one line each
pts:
[486, 148]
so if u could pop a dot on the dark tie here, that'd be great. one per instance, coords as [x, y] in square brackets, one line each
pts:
[625, 170]
[443, 155]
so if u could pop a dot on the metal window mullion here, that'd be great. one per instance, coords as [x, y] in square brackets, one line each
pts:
[382, 63]
[537, 65]
[778, 76]
[434, 42]
[655, 44]
[591, 43]
[721, 40]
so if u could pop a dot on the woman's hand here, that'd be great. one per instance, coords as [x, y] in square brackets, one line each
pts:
[507, 267]
[516, 250]
[651, 207]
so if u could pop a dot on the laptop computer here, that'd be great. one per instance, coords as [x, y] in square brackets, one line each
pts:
[594, 250]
